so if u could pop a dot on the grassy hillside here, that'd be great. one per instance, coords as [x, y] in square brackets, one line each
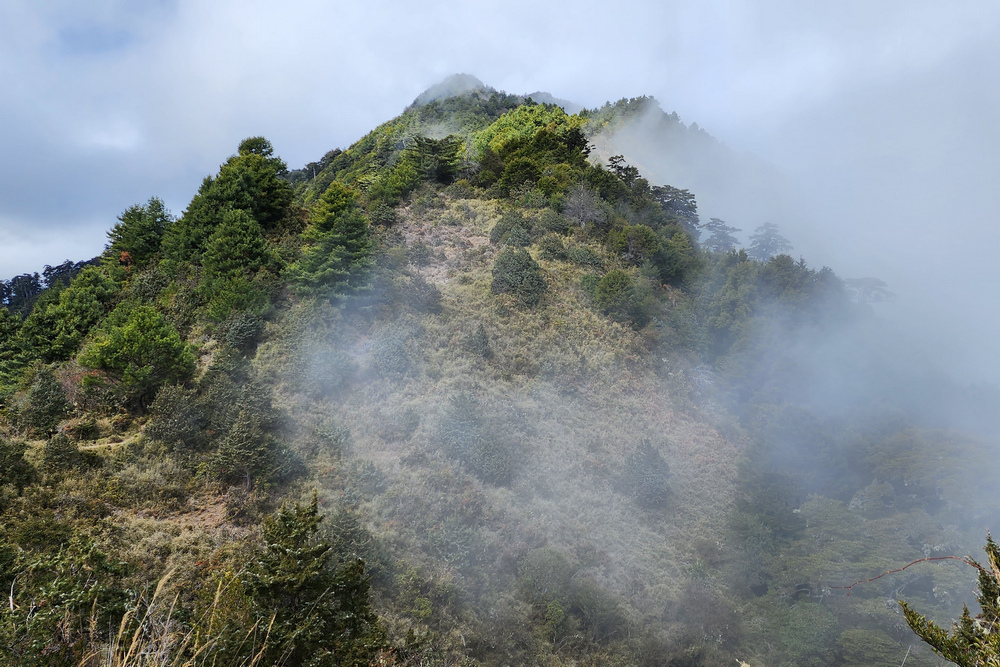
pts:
[462, 394]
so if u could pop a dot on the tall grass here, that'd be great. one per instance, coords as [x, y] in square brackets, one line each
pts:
[149, 636]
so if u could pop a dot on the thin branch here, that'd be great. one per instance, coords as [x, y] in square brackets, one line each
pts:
[967, 561]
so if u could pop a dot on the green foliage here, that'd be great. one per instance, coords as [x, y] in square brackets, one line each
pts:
[46, 403]
[512, 228]
[139, 350]
[135, 239]
[435, 160]
[14, 470]
[236, 247]
[235, 253]
[60, 600]
[318, 613]
[636, 244]
[625, 297]
[721, 237]
[469, 437]
[973, 641]
[516, 128]
[61, 454]
[646, 477]
[338, 247]
[676, 259]
[249, 454]
[176, 418]
[809, 635]
[551, 246]
[61, 320]
[516, 273]
[250, 181]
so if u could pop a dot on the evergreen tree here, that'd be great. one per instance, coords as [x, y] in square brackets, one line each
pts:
[973, 642]
[140, 350]
[515, 272]
[319, 613]
[136, 236]
[721, 239]
[63, 317]
[250, 181]
[434, 159]
[766, 242]
[337, 247]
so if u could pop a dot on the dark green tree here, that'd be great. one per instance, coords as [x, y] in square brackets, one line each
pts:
[680, 206]
[58, 324]
[515, 272]
[251, 181]
[14, 469]
[46, 403]
[236, 252]
[137, 235]
[766, 242]
[973, 642]
[435, 160]
[320, 609]
[338, 246]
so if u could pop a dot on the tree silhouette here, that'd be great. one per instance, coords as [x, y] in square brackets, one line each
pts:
[766, 242]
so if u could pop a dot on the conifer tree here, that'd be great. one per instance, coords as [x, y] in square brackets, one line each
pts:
[337, 247]
[766, 242]
[319, 613]
[721, 239]
[139, 231]
[973, 642]
[250, 181]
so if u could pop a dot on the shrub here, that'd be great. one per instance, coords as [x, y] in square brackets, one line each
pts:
[646, 476]
[583, 256]
[46, 403]
[551, 247]
[389, 355]
[243, 330]
[516, 237]
[624, 297]
[482, 447]
[140, 350]
[61, 454]
[478, 342]
[509, 223]
[516, 273]
[13, 468]
[177, 419]
[382, 214]
[551, 221]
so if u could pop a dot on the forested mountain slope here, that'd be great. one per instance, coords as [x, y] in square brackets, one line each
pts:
[463, 393]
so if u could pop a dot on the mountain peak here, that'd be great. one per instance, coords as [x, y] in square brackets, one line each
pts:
[452, 86]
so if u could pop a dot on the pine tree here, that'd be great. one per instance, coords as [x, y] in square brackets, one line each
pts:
[338, 246]
[139, 231]
[766, 242]
[321, 613]
[973, 642]
[721, 239]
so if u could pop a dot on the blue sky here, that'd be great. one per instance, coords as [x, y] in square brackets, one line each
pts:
[883, 113]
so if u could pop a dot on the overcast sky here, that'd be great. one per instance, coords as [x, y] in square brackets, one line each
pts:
[884, 114]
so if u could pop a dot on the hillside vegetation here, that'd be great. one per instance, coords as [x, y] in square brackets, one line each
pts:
[464, 394]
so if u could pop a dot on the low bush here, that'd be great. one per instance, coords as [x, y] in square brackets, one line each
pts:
[516, 273]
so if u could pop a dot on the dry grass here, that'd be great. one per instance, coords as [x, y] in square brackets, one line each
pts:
[577, 392]
[149, 637]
